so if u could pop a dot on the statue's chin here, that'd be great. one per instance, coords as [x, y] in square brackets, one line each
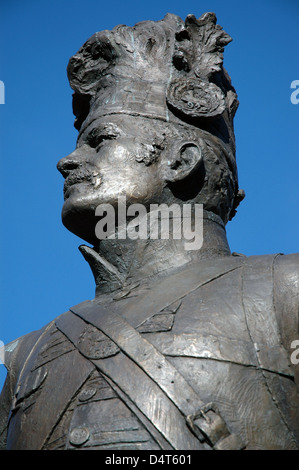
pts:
[81, 223]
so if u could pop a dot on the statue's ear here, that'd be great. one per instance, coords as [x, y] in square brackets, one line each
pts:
[183, 160]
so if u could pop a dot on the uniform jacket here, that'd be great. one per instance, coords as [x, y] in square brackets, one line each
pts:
[134, 370]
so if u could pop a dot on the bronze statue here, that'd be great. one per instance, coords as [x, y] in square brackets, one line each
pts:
[180, 349]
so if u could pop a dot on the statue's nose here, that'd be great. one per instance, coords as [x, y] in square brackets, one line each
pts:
[67, 164]
[72, 161]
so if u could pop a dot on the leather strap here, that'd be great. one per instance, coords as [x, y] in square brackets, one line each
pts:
[150, 400]
[205, 422]
[157, 385]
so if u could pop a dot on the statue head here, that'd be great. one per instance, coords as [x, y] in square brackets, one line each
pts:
[154, 109]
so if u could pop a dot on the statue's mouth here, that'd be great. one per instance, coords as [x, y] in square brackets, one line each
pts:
[78, 176]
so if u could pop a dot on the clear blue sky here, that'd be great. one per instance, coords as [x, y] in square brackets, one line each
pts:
[42, 271]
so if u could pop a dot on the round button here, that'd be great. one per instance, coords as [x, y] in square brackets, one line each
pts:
[79, 436]
[87, 393]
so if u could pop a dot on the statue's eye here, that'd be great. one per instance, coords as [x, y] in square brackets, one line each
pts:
[97, 136]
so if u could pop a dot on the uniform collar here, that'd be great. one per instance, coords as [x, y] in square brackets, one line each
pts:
[121, 264]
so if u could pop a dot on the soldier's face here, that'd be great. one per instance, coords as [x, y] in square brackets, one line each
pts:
[114, 157]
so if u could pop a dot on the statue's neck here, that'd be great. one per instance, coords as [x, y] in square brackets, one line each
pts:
[119, 263]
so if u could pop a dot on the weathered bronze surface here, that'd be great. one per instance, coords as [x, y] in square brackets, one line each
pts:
[180, 349]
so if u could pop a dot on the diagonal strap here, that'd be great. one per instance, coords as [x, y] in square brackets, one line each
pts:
[138, 388]
[142, 352]
[205, 422]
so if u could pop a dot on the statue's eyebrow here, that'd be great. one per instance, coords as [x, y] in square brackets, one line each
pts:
[106, 130]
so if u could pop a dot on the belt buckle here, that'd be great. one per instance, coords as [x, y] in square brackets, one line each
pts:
[207, 424]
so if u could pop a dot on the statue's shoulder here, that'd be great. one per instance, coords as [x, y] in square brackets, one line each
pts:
[285, 267]
[16, 356]
[286, 296]
[19, 351]
[287, 270]
[283, 271]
